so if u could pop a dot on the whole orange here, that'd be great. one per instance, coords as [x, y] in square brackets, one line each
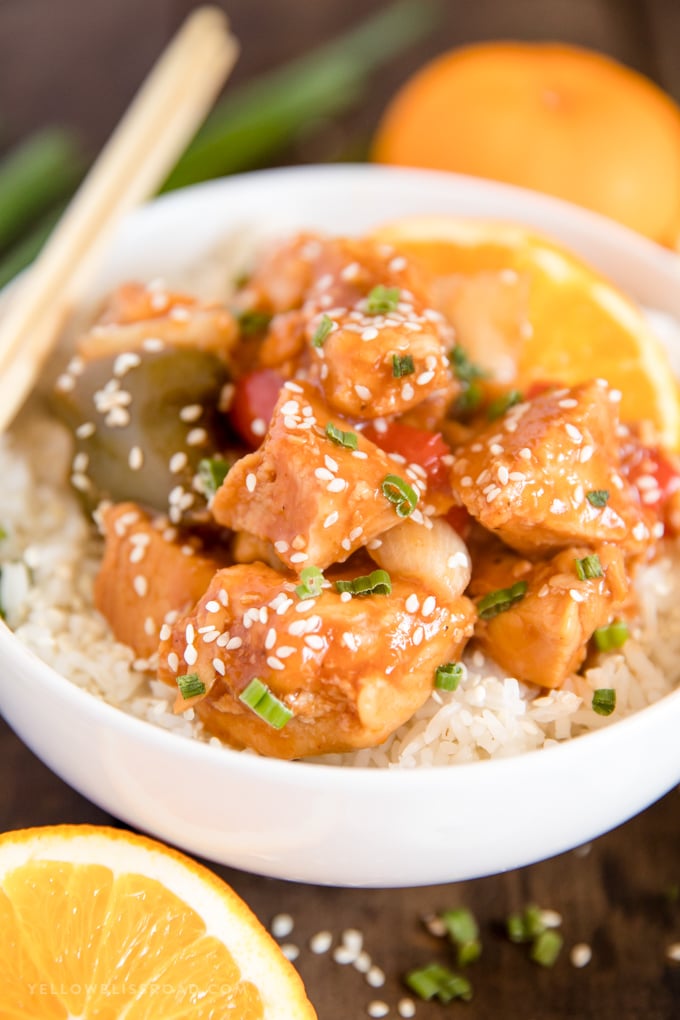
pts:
[555, 118]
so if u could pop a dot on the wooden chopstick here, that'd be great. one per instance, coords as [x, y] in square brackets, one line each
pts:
[158, 125]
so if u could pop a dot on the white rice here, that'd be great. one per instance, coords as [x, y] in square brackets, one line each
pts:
[50, 558]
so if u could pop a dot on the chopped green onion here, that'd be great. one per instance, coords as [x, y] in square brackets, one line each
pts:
[322, 330]
[613, 636]
[260, 699]
[382, 300]
[340, 438]
[464, 369]
[376, 583]
[438, 981]
[251, 321]
[312, 579]
[400, 493]
[597, 497]
[402, 364]
[604, 700]
[501, 404]
[448, 676]
[212, 471]
[499, 601]
[546, 948]
[190, 685]
[463, 931]
[468, 400]
[3, 533]
[588, 568]
[527, 926]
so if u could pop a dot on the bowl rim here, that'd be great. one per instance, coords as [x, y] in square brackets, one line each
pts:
[137, 727]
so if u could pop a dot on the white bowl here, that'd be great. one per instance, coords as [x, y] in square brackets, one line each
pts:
[327, 824]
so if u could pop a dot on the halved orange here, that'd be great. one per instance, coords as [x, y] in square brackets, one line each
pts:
[530, 311]
[96, 922]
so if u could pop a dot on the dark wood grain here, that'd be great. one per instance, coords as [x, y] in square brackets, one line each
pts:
[79, 62]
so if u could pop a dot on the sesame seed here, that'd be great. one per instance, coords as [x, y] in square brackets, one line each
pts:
[344, 955]
[424, 378]
[457, 559]
[585, 454]
[615, 396]
[173, 661]
[190, 655]
[348, 639]
[525, 453]
[275, 663]
[370, 333]
[281, 546]
[299, 557]
[315, 642]
[336, 485]
[581, 954]
[576, 595]
[412, 603]
[673, 952]
[323, 474]
[285, 651]
[281, 926]
[219, 666]
[140, 585]
[135, 458]
[251, 481]
[350, 272]
[197, 437]
[191, 412]
[363, 962]
[573, 432]
[429, 605]
[406, 1008]
[407, 391]
[503, 474]
[270, 639]
[165, 632]
[321, 942]
[362, 392]
[177, 462]
[233, 644]
[375, 977]
[85, 430]
[258, 426]
[331, 519]
[558, 507]
[418, 636]
[290, 951]
[345, 596]
[377, 1008]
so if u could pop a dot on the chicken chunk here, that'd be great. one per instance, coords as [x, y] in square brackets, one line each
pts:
[547, 475]
[549, 611]
[314, 498]
[349, 669]
[362, 327]
[150, 573]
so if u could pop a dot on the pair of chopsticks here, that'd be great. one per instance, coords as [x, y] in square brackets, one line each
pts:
[157, 127]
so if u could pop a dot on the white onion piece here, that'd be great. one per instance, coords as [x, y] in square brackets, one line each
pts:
[436, 556]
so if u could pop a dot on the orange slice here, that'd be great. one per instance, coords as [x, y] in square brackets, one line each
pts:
[529, 311]
[100, 923]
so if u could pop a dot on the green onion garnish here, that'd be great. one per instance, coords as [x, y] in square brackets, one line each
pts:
[463, 931]
[438, 981]
[546, 948]
[613, 636]
[250, 321]
[464, 369]
[526, 926]
[468, 400]
[3, 533]
[265, 704]
[322, 330]
[340, 438]
[212, 471]
[448, 676]
[312, 580]
[604, 700]
[400, 493]
[376, 583]
[402, 364]
[501, 404]
[597, 497]
[499, 601]
[588, 568]
[190, 685]
[382, 300]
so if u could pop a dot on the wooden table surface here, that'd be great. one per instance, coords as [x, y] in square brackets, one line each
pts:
[78, 62]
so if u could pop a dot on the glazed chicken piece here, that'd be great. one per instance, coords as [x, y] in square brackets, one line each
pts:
[363, 332]
[547, 474]
[138, 317]
[315, 499]
[150, 573]
[349, 669]
[548, 610]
